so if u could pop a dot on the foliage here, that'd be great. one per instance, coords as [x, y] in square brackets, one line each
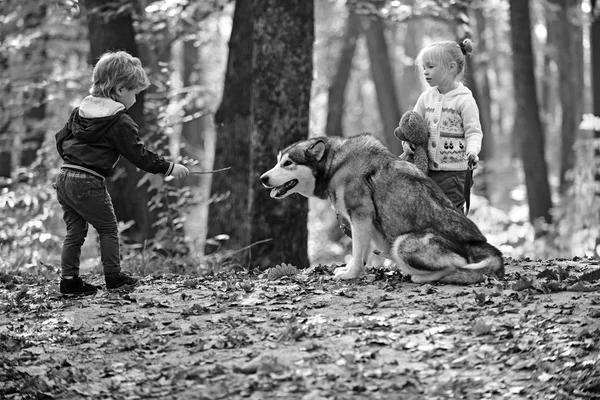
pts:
[25, 233]
[579, 214]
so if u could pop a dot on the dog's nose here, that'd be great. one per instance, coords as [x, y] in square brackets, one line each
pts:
[264, 179]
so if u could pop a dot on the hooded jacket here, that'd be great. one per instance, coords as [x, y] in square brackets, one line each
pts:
[454, 127]
[97, 133]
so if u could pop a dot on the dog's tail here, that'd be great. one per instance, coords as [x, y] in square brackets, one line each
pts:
[485, 258]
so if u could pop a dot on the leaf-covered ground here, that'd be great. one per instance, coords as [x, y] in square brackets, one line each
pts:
[533, 335]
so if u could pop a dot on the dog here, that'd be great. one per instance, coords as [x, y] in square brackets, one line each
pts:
[390, 204]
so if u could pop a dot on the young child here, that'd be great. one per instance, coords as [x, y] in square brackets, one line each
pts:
[97, 133]
[452, 116]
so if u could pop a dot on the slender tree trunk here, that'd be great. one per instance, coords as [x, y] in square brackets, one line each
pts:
[283, 38]
[337, 89]
[528, 126]
[228, 214]
[595, 67]
[383, 77]
[410, 84]
[35, 96]
[570, 70]
[198, 135]
[480, 69]
[117, 33]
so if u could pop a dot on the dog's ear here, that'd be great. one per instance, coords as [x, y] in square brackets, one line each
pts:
[317, 150]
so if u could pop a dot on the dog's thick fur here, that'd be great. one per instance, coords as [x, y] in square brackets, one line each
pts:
[390, 204]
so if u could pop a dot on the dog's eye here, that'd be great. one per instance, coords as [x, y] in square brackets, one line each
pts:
[287, 163]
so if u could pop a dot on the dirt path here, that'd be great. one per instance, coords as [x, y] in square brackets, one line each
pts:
[232, 336]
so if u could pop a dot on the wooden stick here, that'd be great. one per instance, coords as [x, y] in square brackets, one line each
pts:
[208, 172]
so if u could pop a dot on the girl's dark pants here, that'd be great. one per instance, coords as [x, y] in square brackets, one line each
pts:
[452, 184]
[85, 200]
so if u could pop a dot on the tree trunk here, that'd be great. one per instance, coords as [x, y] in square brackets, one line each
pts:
[527, 121]
[595, 67]
[283, 39]
[337, 89]
[229, 213]
[480, 69]
[383, 77]
[570, 71]
[117, 33]
[35, 96]
[410, 84]
[198, 135]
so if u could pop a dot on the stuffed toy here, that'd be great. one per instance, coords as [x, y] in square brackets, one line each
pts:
[412, 128]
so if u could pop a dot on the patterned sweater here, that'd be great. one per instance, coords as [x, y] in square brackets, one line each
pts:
[454, 127]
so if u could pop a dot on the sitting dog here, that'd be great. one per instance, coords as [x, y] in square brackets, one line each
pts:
[390, 204]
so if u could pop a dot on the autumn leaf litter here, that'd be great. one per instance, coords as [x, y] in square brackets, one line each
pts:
[294, 334]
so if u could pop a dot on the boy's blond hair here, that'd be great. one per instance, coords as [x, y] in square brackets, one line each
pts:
[116, 70]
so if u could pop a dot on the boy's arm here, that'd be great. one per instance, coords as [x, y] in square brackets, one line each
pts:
[63, 134]
[130, 145]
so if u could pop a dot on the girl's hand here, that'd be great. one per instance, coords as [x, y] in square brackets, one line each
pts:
[473, 159]
[408, 148]
[179, 171]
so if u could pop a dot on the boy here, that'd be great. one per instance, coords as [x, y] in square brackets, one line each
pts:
[97, 133]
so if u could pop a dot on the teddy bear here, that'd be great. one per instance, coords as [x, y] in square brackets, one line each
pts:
[413, 128]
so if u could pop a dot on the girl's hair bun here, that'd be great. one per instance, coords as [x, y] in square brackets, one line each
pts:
[466, 46]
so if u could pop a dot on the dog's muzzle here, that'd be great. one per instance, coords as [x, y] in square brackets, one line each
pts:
[279, 191]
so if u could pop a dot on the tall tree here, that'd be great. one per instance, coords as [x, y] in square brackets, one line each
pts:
[569, 57]
[595, 68]
[337, 88]
[528, 126]
[282, 77]
[35, 94]
[229, 215]
[383, 77]
[110, 27]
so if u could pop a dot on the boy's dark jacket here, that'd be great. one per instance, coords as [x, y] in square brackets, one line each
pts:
[97, 143]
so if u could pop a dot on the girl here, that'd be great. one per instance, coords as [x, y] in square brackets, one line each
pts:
[452, 117]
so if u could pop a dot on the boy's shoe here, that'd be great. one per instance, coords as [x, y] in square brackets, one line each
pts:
[120, 280]
[76, 287]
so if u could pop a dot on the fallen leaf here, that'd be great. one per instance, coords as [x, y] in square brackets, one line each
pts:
[481, 328]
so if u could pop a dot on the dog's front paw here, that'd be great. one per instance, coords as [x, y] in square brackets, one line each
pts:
[347, 272]
[339, 271]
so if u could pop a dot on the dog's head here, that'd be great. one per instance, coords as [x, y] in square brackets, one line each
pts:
[296, 169]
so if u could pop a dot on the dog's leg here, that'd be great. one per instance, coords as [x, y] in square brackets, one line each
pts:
[361, 249]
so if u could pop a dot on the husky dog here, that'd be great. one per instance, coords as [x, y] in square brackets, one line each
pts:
[390, 204]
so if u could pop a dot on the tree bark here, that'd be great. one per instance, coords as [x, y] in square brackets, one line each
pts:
[198, 136]
[595, 67]
[337, 89]
[383, 77]
[528, 126]
[570, 73]
[35, 96]
[229, 213]
[117, 33]
[480, 69]
[282, 66]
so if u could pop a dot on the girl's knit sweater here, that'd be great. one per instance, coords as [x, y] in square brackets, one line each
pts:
[454, 127]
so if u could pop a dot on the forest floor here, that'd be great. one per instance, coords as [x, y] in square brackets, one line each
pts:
[533, 335]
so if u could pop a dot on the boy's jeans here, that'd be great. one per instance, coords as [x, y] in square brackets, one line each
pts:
[84, 199]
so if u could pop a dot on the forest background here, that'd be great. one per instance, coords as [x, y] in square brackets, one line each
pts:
[234, 82]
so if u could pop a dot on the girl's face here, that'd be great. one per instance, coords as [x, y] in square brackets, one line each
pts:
[127, 96]
[436, 75]
[433, 73]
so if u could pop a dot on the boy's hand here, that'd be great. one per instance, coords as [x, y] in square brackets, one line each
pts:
[473, 159]
[179, 171]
